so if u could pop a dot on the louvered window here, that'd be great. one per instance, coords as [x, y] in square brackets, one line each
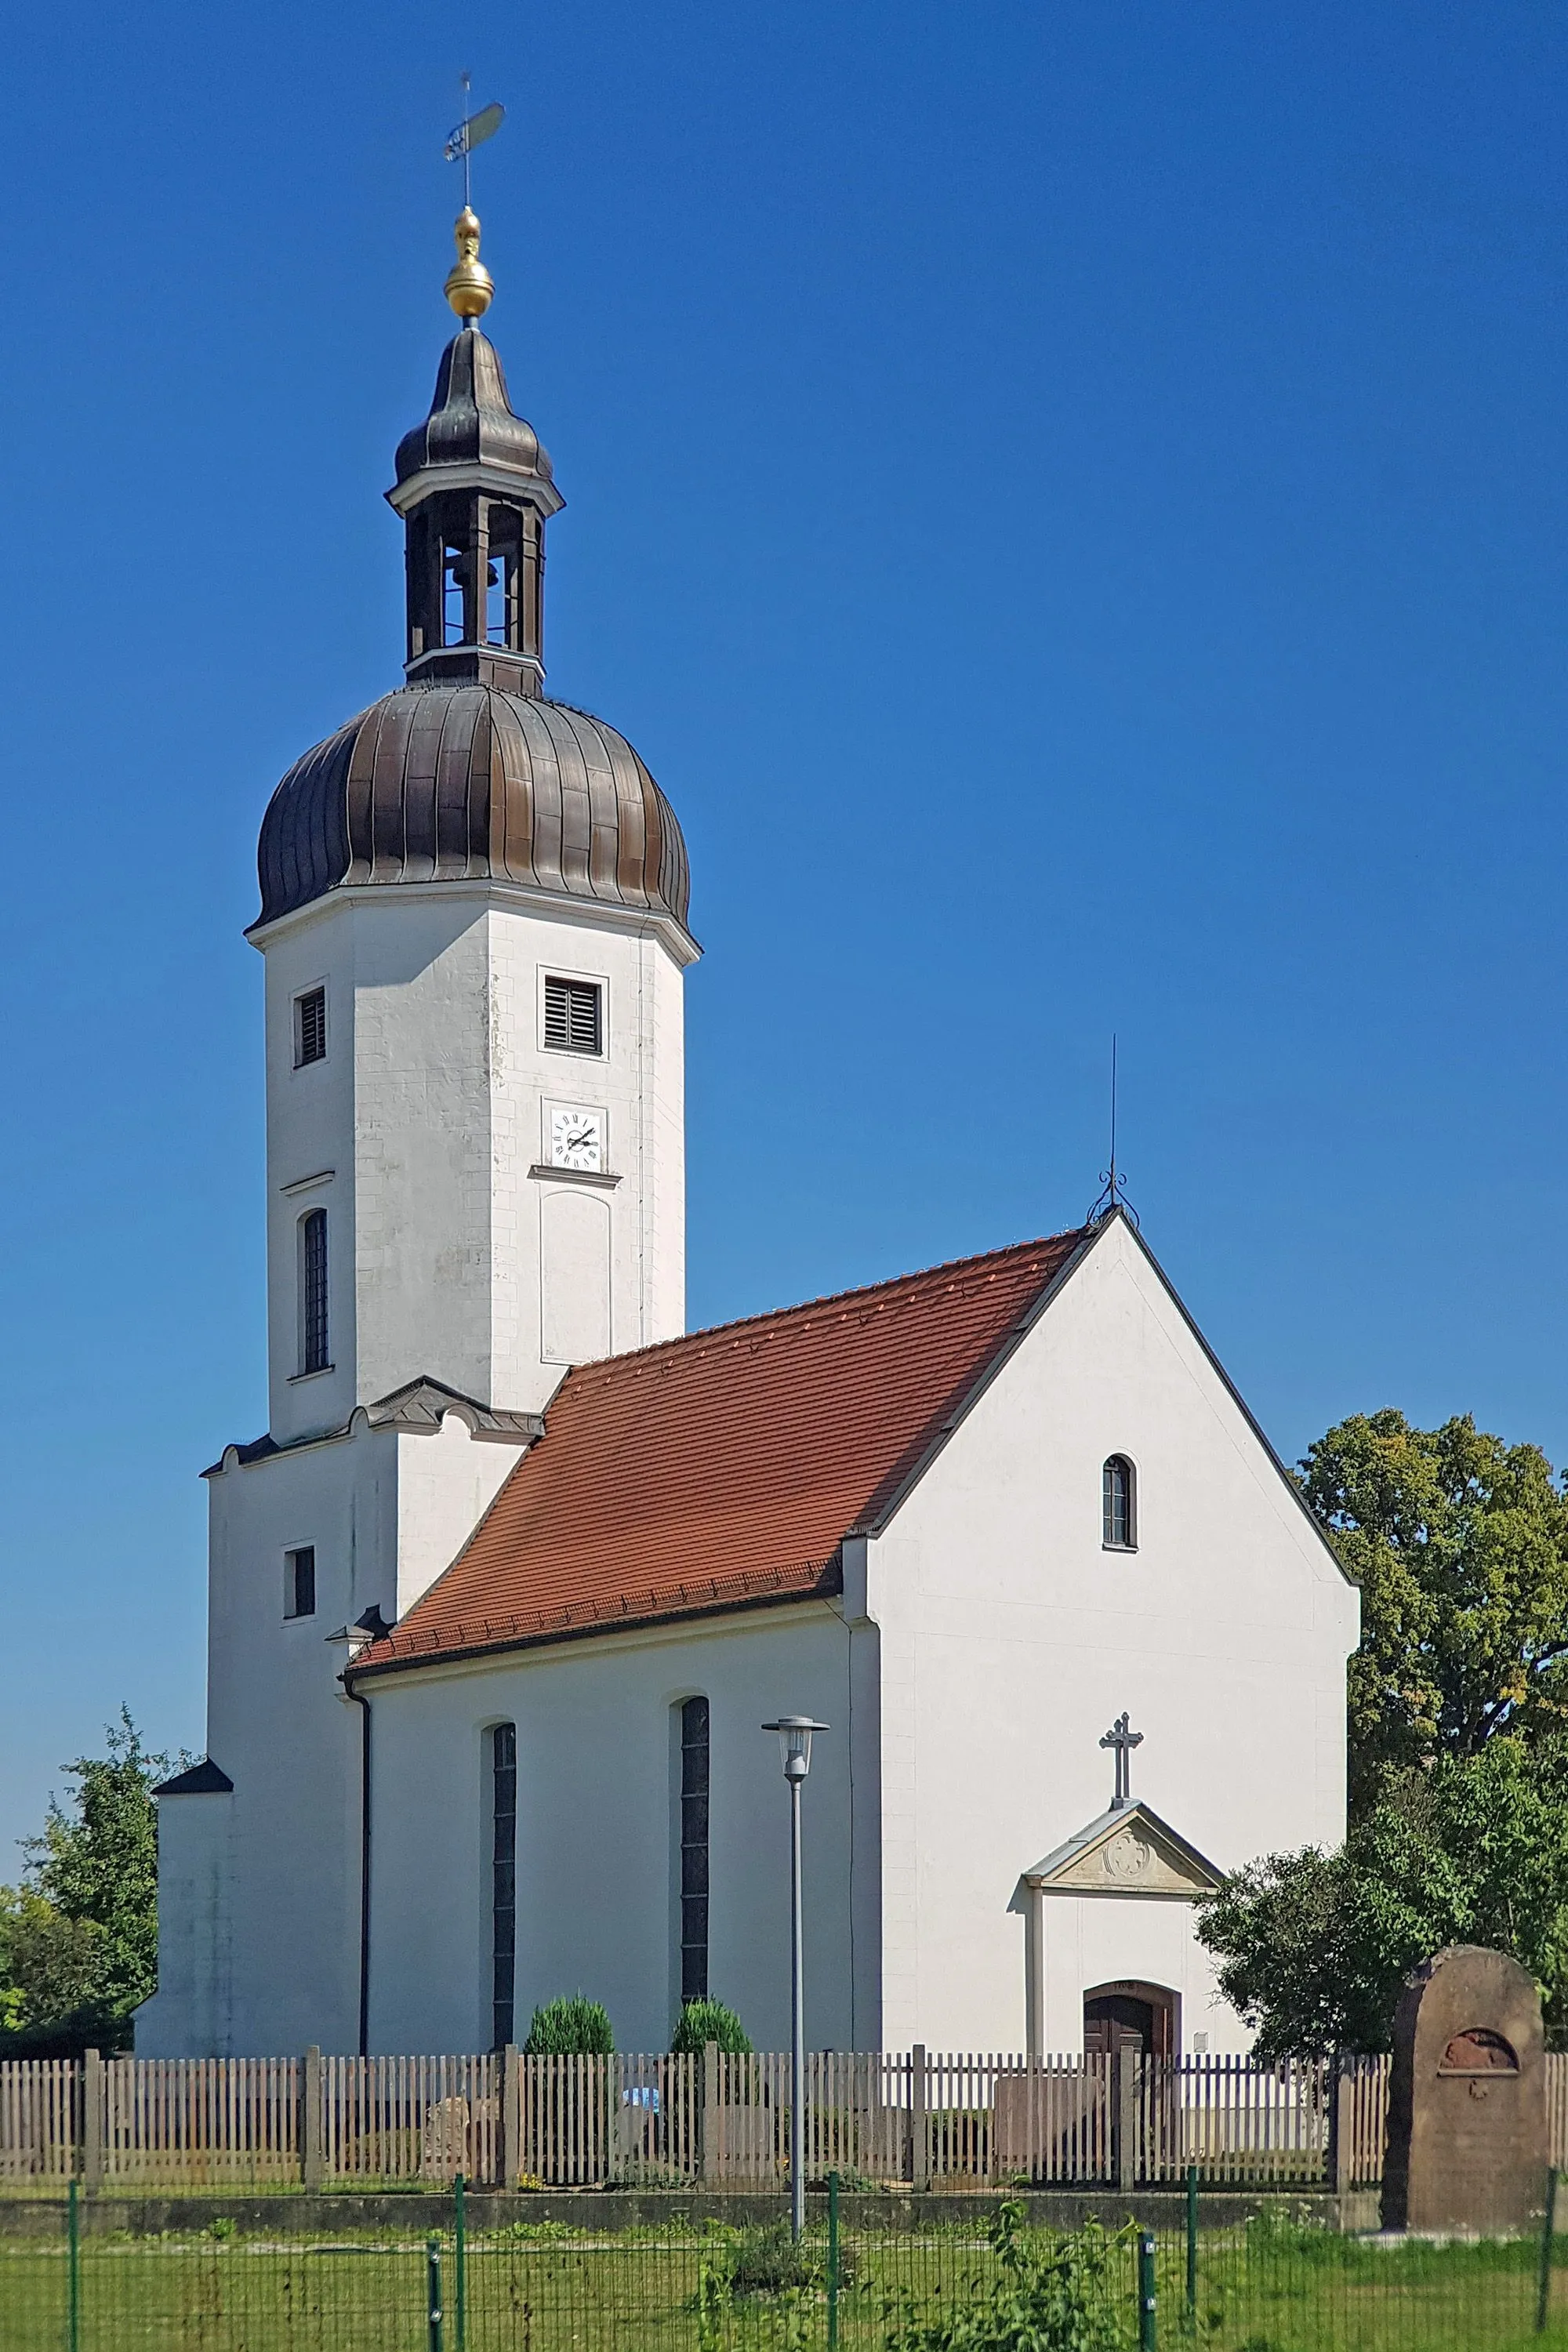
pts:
[313, 1354]
[1119, 1494]
[311, 1027]
[299, 1581]
[573, 1016]
[503, 1882]
[694, 1851]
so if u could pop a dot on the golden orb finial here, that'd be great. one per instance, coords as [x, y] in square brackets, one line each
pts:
[469, 286]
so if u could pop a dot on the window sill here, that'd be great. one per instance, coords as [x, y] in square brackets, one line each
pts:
[1116, 1546]
[299, 1617]
[318, 1374]
[545, 1174]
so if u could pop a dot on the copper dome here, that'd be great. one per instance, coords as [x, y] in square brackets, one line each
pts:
[462, 783]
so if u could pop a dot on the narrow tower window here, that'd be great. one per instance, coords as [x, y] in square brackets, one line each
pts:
[313, 1356]
[309, 1027]
[299, 1581]
[694, 1851]
[503, 1882]
[574, 1016]
[1121, 1515]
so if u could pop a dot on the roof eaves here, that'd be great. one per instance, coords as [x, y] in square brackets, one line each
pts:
[890, 1495]
[203, 1780]
[828, 1584]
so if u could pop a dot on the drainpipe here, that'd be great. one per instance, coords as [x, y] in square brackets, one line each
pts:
[363, 1704]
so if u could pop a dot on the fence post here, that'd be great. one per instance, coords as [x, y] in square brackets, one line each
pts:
[1127, 2073]
[461, 2262]
[73, 2281]
[919, 2135]
[707, 2129]
[312, 2168]
[1147, 2320]
[1192, 2240]
[92, 2118]
[508, 2133]
[1549, 2223]
[433, 2293]
[1341, 2123]
[833, 2261]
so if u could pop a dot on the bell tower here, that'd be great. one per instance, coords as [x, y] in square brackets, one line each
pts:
[474, 491]
[474, 923]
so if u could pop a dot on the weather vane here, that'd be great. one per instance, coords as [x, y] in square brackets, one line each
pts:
[1112, 1183]
[472, 132]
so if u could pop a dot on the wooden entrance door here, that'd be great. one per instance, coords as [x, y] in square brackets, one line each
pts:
[1142, 2017]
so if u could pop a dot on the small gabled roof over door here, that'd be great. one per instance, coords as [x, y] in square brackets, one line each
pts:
[1127, 1851]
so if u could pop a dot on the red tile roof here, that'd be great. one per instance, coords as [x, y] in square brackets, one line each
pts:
[724, 1469]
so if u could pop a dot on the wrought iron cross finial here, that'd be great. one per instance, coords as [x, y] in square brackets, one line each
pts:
[1123, 1741]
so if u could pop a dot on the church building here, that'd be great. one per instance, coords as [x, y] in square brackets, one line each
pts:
[501, 1601]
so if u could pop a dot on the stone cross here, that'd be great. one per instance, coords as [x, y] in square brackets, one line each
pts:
[1123, 1741]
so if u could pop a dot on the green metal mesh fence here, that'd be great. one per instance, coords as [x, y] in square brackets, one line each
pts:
[1277, 2283]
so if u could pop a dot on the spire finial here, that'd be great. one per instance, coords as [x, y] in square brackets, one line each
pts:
[1112, 1182]
[469, 286]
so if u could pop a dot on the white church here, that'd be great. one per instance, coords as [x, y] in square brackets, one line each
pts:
[501, 1601]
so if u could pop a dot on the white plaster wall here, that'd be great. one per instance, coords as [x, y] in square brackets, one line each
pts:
[310, 1133]
[447, 1481]
[429, 1113]
[1012, 1639]
[596, 1829]
[260, 1926]
[191, 2009]
[1099, 1939]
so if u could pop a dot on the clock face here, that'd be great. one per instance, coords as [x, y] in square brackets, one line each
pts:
[577, 1139]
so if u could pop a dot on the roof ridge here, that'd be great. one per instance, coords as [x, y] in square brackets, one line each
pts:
[953, 1265]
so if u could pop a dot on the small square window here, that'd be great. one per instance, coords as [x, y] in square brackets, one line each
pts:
[574, 1016]
[309, 1027]
[299, 1581]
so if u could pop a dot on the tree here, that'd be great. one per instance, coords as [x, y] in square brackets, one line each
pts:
[1314, 1948]
[78, 1939]
[1460, 1544]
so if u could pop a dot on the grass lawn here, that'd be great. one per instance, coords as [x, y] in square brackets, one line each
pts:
[1273, 2289]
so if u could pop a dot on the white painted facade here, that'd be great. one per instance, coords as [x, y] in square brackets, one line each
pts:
[984, 1641]
[421, 1132]
[451, 1256]
[983, 1644]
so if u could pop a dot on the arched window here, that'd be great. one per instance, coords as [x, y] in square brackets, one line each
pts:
[1118, 1490]
[693, 1851]
[313, 1353]
[503, 1882]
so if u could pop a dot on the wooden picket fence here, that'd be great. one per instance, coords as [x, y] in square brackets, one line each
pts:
[917, 2118]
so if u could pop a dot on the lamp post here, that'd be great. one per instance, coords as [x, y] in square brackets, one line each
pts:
[794, 1747]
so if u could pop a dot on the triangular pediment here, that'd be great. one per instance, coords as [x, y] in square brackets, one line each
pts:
[1128, 1850]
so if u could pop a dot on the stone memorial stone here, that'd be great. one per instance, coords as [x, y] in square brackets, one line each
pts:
[1467, 2105]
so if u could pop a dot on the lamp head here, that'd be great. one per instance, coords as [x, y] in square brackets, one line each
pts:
[795, 1743]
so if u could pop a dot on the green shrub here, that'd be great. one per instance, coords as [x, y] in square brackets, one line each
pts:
[701, 2021]
[1053, 2294]
[570, 2026]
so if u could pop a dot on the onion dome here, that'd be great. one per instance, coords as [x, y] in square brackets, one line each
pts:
[466, 773]
[467, 783]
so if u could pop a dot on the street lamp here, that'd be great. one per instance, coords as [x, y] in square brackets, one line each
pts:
[795, 1749]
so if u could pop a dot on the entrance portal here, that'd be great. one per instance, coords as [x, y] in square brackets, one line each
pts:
[1143, 2018]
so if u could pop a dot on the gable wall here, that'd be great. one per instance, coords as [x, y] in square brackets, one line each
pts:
[1011, 1640]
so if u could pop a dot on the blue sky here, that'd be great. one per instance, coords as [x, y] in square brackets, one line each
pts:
[1068, 499]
